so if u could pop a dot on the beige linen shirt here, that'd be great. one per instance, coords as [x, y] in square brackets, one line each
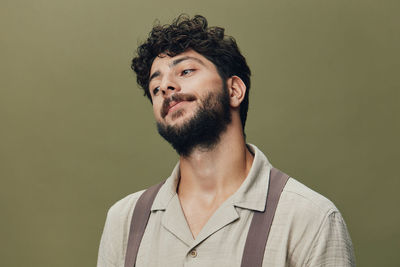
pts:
[307, 230]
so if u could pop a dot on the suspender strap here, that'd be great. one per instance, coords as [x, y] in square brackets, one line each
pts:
[257, 236]
[260, 226]
[139, 220]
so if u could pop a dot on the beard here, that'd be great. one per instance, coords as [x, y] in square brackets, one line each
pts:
[204, 129]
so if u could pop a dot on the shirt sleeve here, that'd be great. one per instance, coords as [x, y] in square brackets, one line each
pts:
[116, 230]
[332, 245]
[106, 254]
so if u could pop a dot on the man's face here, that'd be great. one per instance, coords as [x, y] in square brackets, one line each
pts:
[188, 74]
[190, 101]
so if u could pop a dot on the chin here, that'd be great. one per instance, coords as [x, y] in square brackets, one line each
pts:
[178, 117]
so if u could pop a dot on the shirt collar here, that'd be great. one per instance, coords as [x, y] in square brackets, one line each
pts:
[253, 189]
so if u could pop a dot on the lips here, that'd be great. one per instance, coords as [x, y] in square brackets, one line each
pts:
[173, 104]
[175, 99]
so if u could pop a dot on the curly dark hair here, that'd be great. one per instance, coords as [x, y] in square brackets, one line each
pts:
[185, 33]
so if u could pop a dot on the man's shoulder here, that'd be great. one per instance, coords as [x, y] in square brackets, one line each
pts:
[116, 229]
[302, 200]
[313, 226]
[303, 214]
[124, 207]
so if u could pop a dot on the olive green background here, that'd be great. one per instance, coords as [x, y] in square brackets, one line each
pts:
[77, 135]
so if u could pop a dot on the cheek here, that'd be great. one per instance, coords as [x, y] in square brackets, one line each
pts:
[156, 111]
[203, 83]
[213, 81]
[157, 108]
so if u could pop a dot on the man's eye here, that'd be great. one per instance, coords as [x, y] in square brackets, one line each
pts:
[156, 90]
[187, 71]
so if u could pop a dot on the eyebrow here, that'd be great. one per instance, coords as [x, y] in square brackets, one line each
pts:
[174, 63]
[179, 60]
[154, 75]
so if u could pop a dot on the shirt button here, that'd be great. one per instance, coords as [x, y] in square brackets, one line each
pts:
[193, 253]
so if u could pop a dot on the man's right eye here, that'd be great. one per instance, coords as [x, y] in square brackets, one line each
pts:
[156, 90]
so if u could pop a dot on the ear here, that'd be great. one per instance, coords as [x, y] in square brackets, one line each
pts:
[237, 90]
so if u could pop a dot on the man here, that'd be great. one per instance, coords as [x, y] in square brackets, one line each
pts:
[198, 83]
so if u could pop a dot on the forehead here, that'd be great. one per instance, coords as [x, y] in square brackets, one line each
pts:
[163, 60]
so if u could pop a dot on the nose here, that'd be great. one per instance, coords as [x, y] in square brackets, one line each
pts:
[169, 86]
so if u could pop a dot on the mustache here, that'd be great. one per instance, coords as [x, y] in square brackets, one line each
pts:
[177, 97]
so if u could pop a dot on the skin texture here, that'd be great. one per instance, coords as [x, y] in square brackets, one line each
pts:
[208, 175]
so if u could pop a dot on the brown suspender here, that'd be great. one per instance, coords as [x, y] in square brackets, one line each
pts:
[140, 217]
[257, 236]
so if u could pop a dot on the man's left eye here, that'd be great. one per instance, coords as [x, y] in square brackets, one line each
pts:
[187, 71]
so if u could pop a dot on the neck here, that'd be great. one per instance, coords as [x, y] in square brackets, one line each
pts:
[218, 172]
